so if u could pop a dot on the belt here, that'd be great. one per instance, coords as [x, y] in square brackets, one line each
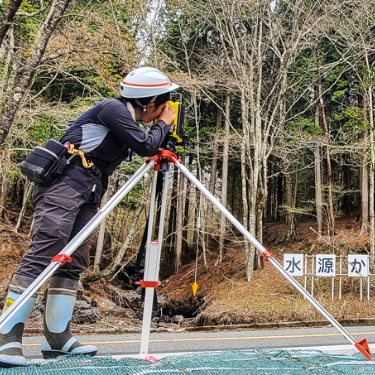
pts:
[95, 169]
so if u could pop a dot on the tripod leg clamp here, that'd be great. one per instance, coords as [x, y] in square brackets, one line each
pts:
[63, 258]
[147, 284]
[267, 254]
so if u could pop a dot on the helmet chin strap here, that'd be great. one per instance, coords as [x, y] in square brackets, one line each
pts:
[144, 107]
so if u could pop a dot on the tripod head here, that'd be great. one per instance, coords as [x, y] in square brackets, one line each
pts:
[170, 146]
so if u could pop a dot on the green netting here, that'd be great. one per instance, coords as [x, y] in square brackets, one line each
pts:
[257, 362]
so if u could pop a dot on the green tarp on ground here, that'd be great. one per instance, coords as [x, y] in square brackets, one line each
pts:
[254, 362]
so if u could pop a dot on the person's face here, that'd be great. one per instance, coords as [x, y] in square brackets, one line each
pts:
[153, 112]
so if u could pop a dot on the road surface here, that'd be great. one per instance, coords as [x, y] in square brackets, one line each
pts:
[326, 339]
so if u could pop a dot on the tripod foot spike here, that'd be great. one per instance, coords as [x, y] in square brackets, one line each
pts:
[363, 347]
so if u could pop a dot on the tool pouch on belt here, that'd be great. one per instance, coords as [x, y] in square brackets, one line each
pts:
[46, 163]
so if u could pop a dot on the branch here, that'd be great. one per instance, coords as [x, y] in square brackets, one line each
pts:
[85, 85]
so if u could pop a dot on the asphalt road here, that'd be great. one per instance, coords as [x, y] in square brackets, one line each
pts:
[326, 339]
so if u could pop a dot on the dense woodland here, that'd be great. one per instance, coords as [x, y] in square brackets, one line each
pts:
[280, 113]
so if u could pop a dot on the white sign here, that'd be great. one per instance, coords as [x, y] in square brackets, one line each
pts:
[358, 265]
[325, 265]
[293, 264]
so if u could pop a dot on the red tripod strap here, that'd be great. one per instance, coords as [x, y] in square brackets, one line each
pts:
[63, 258]
[148, 284]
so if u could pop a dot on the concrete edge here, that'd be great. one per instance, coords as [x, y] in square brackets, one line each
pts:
[260, 326]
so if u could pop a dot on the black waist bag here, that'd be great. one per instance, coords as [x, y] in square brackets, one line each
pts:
[46, 163]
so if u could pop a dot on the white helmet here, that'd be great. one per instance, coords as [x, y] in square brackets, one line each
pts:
[146, 82]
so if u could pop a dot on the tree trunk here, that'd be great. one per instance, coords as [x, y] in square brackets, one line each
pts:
[329, 171]
[5, 187]
[213, 176]
[56, 11]
[364, 180]
[346, 181]
[258, 259]
[26, 194]
[179, 218]
[172, 221]
[289, 213]
[318, 190]
[371, 173]
[318, 174]
[224, 178]
[280, 183]
[7, 17]
[7, 48]
[100, 241]
[288, 198]
[249, 258]
[270, 192]
[293, 224]
[4, 200]
[187, 205]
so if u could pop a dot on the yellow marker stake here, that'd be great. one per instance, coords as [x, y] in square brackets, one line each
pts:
[195, 288]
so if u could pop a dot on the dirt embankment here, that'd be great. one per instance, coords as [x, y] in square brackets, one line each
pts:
[227, 298]
[224, 296]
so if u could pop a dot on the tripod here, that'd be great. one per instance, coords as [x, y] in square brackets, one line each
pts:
[161, 162]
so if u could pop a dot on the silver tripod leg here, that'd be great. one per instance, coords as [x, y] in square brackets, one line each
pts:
[152, 262]
[361, 345]
[75, 242]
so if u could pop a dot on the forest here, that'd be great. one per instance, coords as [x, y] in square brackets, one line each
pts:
[279, 113]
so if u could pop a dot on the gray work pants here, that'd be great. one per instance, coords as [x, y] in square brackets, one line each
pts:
[60, 213]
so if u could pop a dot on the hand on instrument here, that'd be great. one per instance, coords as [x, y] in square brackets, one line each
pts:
[168, 114]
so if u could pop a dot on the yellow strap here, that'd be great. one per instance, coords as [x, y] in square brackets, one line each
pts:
[72, 150]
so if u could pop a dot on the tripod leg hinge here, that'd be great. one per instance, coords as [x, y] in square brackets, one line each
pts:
[267, 254]
[63, 258]
[147, 284]
[154, 158]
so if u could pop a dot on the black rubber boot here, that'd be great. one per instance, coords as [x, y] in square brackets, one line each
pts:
[58, 339]
[11, 334]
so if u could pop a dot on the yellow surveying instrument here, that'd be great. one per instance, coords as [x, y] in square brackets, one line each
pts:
[177, 135]
[178, 131]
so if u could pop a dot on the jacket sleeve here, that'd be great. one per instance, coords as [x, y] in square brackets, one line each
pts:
[117, 118]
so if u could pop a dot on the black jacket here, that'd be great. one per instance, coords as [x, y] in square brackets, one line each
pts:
[105, 133]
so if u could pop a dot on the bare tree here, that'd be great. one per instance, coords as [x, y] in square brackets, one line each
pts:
[355, 36]
[45, 31]
[249, 34]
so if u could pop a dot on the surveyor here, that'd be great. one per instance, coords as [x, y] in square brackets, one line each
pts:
[104, 134]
